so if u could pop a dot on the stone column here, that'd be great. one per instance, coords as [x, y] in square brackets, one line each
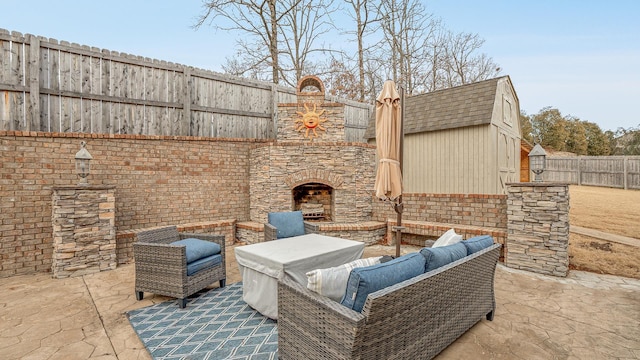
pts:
[538, 227]
[84, 234]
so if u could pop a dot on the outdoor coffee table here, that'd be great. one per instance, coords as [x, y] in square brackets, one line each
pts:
[262, 264]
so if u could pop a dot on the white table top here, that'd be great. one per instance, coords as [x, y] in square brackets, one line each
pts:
[297, 255]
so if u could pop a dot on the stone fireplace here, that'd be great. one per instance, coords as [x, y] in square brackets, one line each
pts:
[310, 166]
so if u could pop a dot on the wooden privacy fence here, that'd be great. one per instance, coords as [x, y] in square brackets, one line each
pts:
[54, 86]
[612, 171]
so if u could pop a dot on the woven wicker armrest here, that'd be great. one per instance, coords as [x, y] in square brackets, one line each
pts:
[270, 232]
[293, 288]
[152, 253]
[311, 326]
[309, 228]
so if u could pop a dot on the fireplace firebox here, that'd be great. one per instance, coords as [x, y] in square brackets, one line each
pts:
[315, 200]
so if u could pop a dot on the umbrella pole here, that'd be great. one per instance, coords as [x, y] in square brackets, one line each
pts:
[399, 206]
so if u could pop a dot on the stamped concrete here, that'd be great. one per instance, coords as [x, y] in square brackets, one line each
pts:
[583, 316]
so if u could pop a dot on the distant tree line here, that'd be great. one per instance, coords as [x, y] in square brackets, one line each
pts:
[352, 45]
[558, 132]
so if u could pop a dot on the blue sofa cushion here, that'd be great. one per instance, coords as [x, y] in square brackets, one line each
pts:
[436, 257]
[478, 243]
[206, 262]
[198, 249]
[365, 280]
[287, 223]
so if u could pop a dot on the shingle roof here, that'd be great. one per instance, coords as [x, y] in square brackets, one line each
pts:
[460, 106]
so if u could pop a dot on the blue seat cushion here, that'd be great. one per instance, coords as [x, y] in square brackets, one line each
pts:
[478, 243]
[288, 224]
[206, 262]
[365, 280]
[198, 249]
[439, 256]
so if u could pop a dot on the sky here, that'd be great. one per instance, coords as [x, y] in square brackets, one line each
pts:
[579, 56]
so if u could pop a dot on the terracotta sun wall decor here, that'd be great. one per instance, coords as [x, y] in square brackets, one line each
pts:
[310, 121]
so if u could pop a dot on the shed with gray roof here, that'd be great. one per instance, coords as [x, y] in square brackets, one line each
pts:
[461, 140]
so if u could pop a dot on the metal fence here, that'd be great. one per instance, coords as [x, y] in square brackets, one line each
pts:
[611, 171]
[54, 86]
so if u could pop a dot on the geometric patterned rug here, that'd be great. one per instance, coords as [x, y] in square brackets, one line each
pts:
[216, 324]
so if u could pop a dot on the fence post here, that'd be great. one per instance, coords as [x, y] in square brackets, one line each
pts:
[579, 170]
[274, 112]
[625, 163]
[186, 106]
[34, 83]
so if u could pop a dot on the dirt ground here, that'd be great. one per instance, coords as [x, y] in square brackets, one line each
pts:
[614, 211]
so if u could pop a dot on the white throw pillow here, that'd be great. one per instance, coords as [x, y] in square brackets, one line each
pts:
[332, 282]
[448, 238]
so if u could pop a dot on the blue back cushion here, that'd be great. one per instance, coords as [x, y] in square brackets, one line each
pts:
[287, 223]
[439, 256]
[478, 243]
[365, 280]
[198, 249]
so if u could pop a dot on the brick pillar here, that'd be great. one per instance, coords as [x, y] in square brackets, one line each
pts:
[538, 227]
[84, 235]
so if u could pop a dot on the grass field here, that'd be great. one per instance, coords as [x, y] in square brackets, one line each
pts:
[610, 210]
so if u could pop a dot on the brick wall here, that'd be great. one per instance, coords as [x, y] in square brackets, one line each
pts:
[159, 180]
[463, 209]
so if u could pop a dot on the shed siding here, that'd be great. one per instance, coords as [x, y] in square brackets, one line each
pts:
[451, 161]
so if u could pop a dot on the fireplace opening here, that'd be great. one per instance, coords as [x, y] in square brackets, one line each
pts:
[315, 200]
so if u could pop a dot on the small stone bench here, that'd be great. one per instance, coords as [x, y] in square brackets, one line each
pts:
[369, 232]
[434, 230]
[249, 232]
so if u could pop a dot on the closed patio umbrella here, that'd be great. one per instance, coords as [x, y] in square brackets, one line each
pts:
[389, 137]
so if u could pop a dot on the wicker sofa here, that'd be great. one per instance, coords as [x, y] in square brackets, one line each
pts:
[161, 267]
[414, 319]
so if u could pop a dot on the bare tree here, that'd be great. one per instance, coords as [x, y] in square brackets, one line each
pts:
[462, 63]
[405, 28]
[340, 81]
[364, 14]
[256, 19]
[301, 30]
[434, 53]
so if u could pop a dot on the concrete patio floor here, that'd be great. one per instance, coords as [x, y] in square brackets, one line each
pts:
[583, 316]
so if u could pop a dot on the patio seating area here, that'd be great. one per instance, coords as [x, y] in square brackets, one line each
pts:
[537, 317]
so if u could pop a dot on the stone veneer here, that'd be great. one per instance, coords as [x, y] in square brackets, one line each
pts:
[538, 227]
[369, 232]
[299, 158]
[332, 112]
[84, 235]
[277, 168]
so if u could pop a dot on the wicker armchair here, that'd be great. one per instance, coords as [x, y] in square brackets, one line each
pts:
[161, 268]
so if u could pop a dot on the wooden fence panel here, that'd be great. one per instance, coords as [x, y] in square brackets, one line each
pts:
[611, 171]
[562, 170]
[600, 170]
[54, 86]
[633, 172]
[12, 114]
